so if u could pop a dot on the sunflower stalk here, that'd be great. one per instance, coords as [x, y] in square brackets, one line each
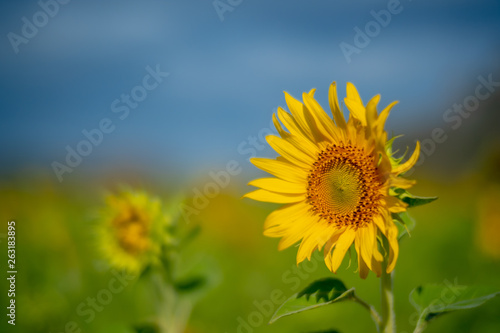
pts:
[387, 295]
[173, 312]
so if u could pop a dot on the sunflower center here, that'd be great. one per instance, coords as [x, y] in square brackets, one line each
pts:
[344, 186]
[132, 230]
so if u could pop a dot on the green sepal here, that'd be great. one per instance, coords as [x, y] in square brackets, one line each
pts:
[404, 222]
[395, 161]
[410, 199]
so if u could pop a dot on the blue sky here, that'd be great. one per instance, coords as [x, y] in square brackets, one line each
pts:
[225, 77]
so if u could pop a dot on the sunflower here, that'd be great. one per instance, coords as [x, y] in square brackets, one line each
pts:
[336, 178]
[132, 230]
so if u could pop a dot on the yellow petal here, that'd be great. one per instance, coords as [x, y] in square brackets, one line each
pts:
[377, 266]
[371, 111]
[290, 152]
[305, 251]
[355, 104]
[377, 259]
[304, 145]
[401, 182]
[334, 106]
[311, 242]
[285, 217]
[363, 268]
[280, 129]
[324, 123]
[329, 246]
[280, 169]
[365, 236]
[377, 256]
[352, 93]
[299, 142]
[409, 163]
[298, 113]
[291, 124]
[392, 237]
[341, 246]
[380, 122]
[278, 185]
[394, 205]
[267, 196]
[295, 235]
[357, 111]
[379, 222]
[385, 166]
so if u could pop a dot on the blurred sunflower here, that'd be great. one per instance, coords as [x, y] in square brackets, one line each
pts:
[336, 178]
[488, 230]
[132, 229]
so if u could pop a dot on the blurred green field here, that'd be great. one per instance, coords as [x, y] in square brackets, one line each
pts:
[59, 267]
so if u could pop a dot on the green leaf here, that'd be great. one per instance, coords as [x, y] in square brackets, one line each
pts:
[319, 293]
[434, 300]
[404, 222]
[190, 284]
[413, 200]
[147, 328]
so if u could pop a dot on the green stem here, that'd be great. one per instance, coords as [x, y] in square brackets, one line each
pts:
[375, 316]
[388, 314]
[174, 312]
[182, 313]
[421, 324]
